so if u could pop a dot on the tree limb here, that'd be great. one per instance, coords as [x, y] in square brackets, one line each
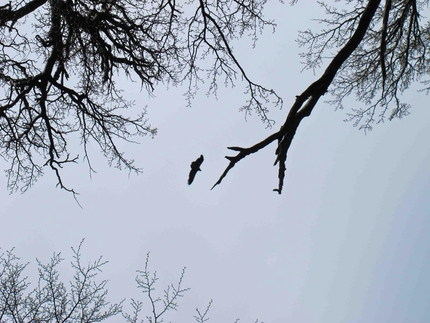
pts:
[305, 102]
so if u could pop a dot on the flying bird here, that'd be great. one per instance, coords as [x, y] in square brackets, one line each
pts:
[195, 167]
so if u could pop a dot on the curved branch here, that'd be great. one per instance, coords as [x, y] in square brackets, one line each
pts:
[7, 14]
[243, 152]
[305, 102]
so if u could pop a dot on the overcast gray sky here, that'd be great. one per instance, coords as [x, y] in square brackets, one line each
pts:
[347, 241]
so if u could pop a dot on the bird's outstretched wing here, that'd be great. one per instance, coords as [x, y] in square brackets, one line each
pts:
[195, 167]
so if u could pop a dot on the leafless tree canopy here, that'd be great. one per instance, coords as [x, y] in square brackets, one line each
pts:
[376, 50]
[84, 297]
[58, 77]
[51, 300]
[59, 60]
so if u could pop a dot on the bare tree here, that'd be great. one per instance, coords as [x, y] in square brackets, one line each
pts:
[159, 305]
[86, 298]
[59, 60]
[51, 301]
[58, 79]
[381, 49]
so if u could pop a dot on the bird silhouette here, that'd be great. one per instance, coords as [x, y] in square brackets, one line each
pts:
[195, 167]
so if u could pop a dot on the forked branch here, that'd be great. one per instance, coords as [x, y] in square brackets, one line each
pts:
[305, 102]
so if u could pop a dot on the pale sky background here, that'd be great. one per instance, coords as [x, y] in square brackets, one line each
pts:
[347, 241]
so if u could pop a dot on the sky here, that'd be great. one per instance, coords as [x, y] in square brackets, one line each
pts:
[347, 241]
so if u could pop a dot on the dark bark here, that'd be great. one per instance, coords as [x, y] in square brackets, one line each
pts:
[305, 102]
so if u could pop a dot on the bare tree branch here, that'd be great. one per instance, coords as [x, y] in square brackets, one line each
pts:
[58, 81]
[305, 102]
[146, 282]
[50, 300]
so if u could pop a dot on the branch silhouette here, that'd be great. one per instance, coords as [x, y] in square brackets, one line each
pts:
[305, 103]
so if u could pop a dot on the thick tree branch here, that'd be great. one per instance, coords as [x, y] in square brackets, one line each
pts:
[7, 14]
[384, 40]
[305, 102]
